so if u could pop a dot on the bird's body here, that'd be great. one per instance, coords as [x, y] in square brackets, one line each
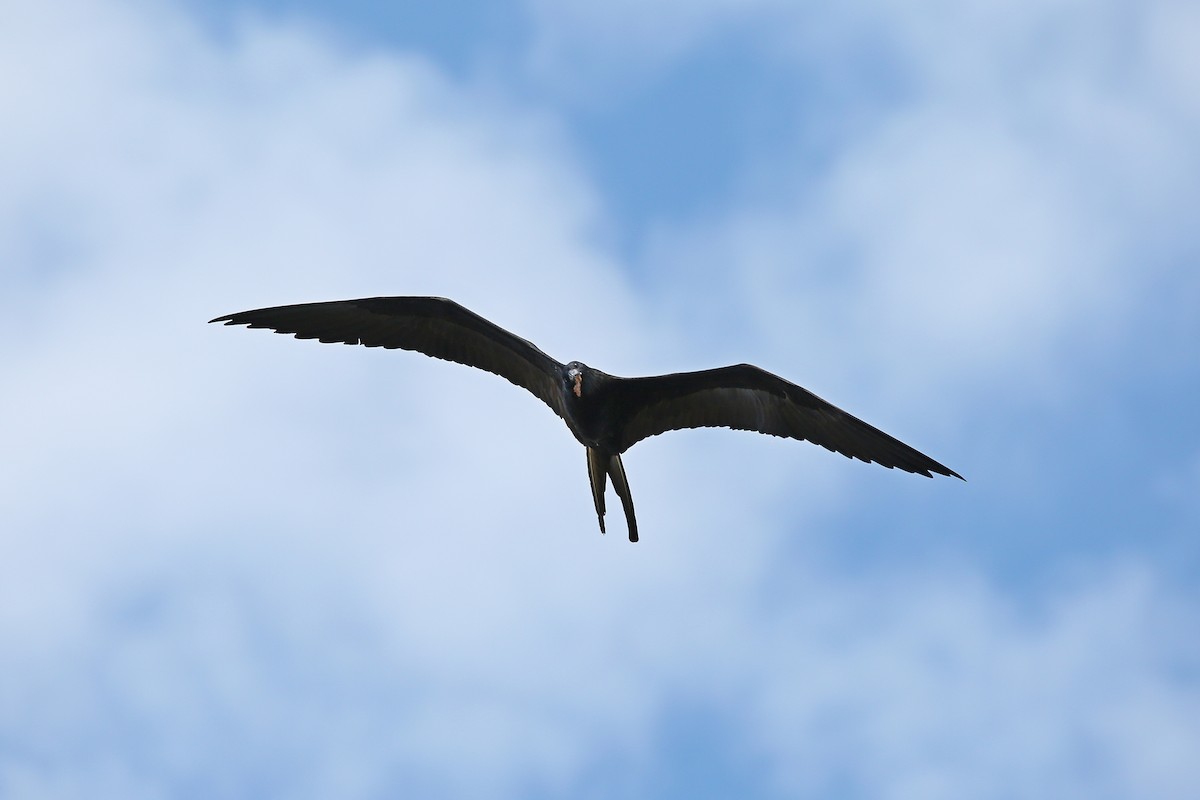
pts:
[594, 412]
[606, 413]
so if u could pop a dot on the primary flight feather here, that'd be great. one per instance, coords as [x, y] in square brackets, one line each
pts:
[607, 414]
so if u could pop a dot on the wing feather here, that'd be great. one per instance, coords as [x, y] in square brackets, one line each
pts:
[745, 397]
[434, 326]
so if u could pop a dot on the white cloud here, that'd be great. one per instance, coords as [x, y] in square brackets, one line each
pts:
[576, 42]
[1064, 701]
[234, 561]
[158, 462]
[1001, 211]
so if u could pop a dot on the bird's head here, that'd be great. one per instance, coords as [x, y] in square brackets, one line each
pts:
[574, 377]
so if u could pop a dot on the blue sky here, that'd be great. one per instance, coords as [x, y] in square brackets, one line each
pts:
[236, 565]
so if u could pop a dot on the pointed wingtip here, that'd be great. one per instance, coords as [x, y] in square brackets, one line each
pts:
[949, 473]
[934, 468]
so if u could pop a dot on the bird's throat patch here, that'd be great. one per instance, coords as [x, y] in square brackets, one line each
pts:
[579, 386]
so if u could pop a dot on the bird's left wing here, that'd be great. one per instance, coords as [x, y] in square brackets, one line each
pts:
[434, 326]
[745, 397]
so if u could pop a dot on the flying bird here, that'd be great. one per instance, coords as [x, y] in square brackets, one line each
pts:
[606, 413]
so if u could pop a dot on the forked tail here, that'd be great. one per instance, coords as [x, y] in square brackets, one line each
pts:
[600, 468]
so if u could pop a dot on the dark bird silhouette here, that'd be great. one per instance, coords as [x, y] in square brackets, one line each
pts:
[607, 414]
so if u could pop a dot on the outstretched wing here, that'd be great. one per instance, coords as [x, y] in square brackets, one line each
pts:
[434, 326]
[747, 398]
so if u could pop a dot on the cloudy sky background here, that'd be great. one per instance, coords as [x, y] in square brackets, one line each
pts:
[235, 565]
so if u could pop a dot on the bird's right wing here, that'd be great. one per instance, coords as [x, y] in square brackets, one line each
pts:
[434, 326]
[745, 397]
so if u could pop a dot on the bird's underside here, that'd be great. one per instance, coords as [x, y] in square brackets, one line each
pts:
[606, 413]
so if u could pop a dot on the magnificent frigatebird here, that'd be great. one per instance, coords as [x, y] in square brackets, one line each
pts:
[607, 414]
